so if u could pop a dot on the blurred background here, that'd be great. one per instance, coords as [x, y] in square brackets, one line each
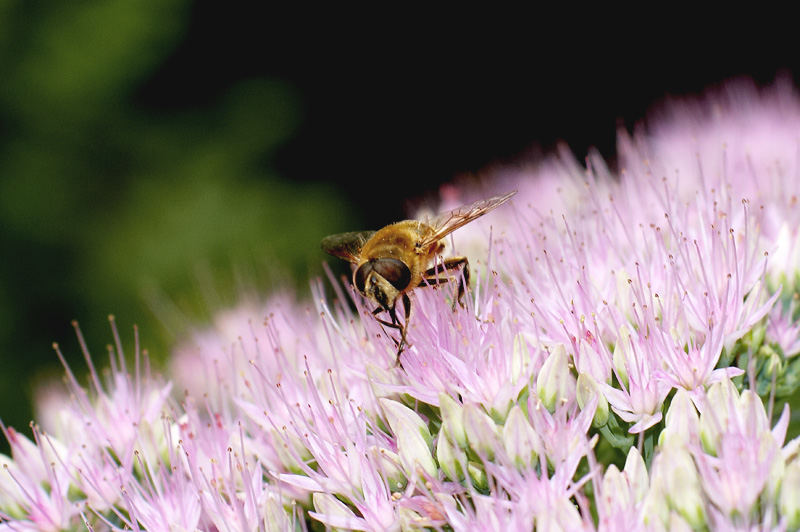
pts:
[160, 160]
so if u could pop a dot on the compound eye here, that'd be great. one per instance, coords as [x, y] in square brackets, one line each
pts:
[360, 276]
[393, 270]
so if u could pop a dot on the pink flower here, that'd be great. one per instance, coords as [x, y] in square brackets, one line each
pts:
[35, 483]
[564, 432]
[593, 287]
[353, 458]
[740, 456]
[784, 330]
[641, 395]
[621, 494]
[479, 354]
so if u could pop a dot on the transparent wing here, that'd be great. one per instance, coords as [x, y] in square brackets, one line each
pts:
[448, 222]
[346, 246]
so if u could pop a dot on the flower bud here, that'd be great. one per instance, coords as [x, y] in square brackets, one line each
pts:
[792, 372]
[636, 471]
[757, 334]
[751, 409]
[616, 493]
[621, 354]
[451, 459]
[389, 467]
[407, 519]
[655, 511]
[624, 294]
[593, 362]
[521, 442]
[290, 448]
[682, 486]
[333, 512]
[453, 420]
[562, 514]
[481, 430]
[413, 438]
[774, 365]
[520, 358]
[681, 421]
[677, 523]
[275, 515]
[586, 389]
[789, 498]
[720, 396]
[555, 383]
[777, 467]
[478, 477]
[625, 489]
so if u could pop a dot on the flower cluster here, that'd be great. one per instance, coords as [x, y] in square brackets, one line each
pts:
[620, 364]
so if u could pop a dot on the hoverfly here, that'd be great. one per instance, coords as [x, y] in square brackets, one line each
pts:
[394, 260]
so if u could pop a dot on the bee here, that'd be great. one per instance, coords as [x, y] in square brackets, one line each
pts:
[392, 261]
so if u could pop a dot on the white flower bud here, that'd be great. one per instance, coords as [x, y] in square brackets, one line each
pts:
[451, 458]
[682, 486]
[332, 511]
[520, 358]
[555, 383]
[655, 510]
[681, 421]
[413, 438]
[621, 354]
[789, 498]
[593, 363]
[275, 515]
[482, 432]
[678, 523]
[585, 389]
[521, 442]
[453, 420]
[616, 493]
[636, 471]
[720, 396]
[477, 476]
[389, 467]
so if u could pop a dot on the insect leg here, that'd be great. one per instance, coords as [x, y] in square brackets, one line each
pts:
[395, 324]
[430, 277]
[433, 281]
[404, 329]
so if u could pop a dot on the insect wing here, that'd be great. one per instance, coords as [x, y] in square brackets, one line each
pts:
[346, 246]
[448, 222]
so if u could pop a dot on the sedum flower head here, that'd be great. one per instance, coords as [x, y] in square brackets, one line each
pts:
[618, 364]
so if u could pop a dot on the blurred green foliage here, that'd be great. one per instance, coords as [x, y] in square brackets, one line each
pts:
[108, 206]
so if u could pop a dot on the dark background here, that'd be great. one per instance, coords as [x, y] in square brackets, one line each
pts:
[161, 160]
